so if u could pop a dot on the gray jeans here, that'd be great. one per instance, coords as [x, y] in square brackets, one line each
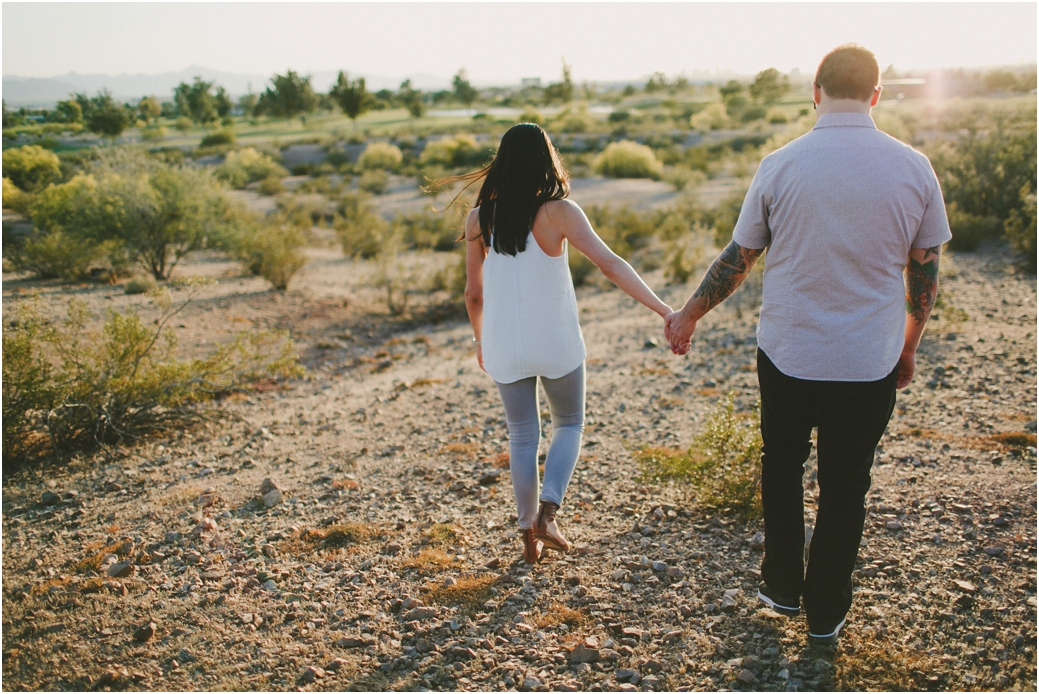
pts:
[566, 403]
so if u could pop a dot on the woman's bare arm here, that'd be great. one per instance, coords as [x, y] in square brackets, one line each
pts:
[572, 223]
[475, 252]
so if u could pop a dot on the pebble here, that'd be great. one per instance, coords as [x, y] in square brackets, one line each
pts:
[122, 569]
[531, 683]
[335, 665]
[49, 498]
[757, 542]
[585, 652]
[312, 673]
[659, 566]
[746, 676]
[892, 524]
[420, 614]
[272, 498]
[145, 633]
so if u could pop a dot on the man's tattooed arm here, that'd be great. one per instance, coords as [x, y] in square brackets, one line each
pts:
[922, 282]
[726, 273]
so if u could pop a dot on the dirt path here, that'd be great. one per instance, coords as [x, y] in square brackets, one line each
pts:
[395, 442]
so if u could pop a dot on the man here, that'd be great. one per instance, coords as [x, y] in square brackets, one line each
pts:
[843, 211]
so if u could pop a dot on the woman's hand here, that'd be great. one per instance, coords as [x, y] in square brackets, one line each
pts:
[479, 356]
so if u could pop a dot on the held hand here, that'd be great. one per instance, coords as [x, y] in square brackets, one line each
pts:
[679, 328]
[479, 357]
[906, 369]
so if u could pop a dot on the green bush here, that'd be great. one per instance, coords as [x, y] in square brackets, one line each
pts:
[218, 138]
[373, 181]
[183, 124]
[55, 254]
[969, 231]
[67, 387]
[153, 133]
[244, 166]
[31, 168]
[275, 251]
[454, 152]
[15, 198]
[381, 155]
[271, 185]
[722, 464]
[627, 159]
[140, 285]
[157, 211]
[776, 116]
[361, 231]
[1020, 231]
[428, 230]
[714, 117]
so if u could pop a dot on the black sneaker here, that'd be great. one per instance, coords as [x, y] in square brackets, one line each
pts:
[788, 607]
[827, 639]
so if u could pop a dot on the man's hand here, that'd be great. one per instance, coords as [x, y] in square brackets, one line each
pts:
[906, 368]
[678, 329]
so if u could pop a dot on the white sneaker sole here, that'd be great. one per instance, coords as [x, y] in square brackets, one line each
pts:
[828, 638]
[776, 607]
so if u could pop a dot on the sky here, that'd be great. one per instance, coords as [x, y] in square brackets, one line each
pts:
[499, 43]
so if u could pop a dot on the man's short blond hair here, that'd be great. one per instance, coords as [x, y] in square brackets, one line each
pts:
[848, 72]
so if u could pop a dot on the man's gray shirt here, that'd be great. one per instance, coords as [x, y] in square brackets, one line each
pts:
[838, 209]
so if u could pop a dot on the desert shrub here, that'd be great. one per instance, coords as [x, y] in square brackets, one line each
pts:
[723, 218]
[682, 178]
[31, 167]
[277, 252]
[360, 230]
[581, 268]
[428, 230]
[55, 254]
[569, 121]
[373, 181]
[158, 212]
[244, 166]
[970, 230]
[183, 124]
[218, 138]
[1020, 231]
[456, 151]
[271, 185]
[531, 115]
[752, 113]
[15, 198]
[623, 229]
[722, 464]
[69, 387]
[153, 133]
[381, 155]
[714, 117]
[627, 159]
[776, 116]
[140, 285]
[392, 276]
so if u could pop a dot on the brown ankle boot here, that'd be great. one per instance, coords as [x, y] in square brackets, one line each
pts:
[547, 530]
[531, 547]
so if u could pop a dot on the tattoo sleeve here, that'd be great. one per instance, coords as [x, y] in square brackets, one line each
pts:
[726, 273]
[922, 284]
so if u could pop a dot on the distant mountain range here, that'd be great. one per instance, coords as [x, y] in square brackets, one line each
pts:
[46, 91]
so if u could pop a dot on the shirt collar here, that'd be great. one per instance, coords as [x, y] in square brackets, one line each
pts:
[845, 120]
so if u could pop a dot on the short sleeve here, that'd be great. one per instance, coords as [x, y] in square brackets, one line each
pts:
[752, 229]
[934, 225]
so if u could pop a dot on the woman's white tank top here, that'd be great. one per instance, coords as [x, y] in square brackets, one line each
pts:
[530, 325]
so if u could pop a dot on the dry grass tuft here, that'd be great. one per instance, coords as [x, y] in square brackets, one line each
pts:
[469, 593]
[502, 460]
[96, 553]
[419, 383]
[429, 561]
[440, 534]
[345, 484]
[340, 535]
[1012, 439]
[881, 665]
[466, 450]
[558, 613]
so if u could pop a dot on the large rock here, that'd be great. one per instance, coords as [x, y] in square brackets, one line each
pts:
[420, 614]
[585, 652]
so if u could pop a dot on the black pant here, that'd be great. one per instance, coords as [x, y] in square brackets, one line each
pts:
[851, 417]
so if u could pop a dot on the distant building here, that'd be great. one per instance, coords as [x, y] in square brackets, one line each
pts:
[530, 82]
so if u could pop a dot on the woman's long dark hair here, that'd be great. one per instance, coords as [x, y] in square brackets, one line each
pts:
[525, 174]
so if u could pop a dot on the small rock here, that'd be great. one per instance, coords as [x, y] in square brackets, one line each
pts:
[531, 683]
[518, 619]
[624, 675]
[410, 602]
[420, 614]
[893, 524]
[609, 654]
[995, 550]
[659, 566]
[312, 673]
[493, 563]
[351, 642]
[272, 498]
[490, 477]
[145, 633]
[651, 682]
[192, 557]
[752, 663]
[653, 666]
[393, 548]
[424, 646]
[208, 525]
[675, 572]
[746, 676]
[122, 569]
[584, 652]
[583, 549]
[49, 498]
[966, 586]
[113, 487]
[757, 542]
[267, 486]
[335, 665]
[650, 343]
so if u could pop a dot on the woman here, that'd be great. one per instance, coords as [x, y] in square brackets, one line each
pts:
[521, 303]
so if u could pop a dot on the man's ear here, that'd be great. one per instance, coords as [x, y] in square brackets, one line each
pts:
[875, 99]
[816, 93]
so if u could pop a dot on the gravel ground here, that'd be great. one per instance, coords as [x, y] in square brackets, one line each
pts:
[355, 530]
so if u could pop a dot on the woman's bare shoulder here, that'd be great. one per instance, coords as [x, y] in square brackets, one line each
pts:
[560, 211]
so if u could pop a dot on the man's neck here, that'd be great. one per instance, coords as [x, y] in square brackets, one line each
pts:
[827, 105]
